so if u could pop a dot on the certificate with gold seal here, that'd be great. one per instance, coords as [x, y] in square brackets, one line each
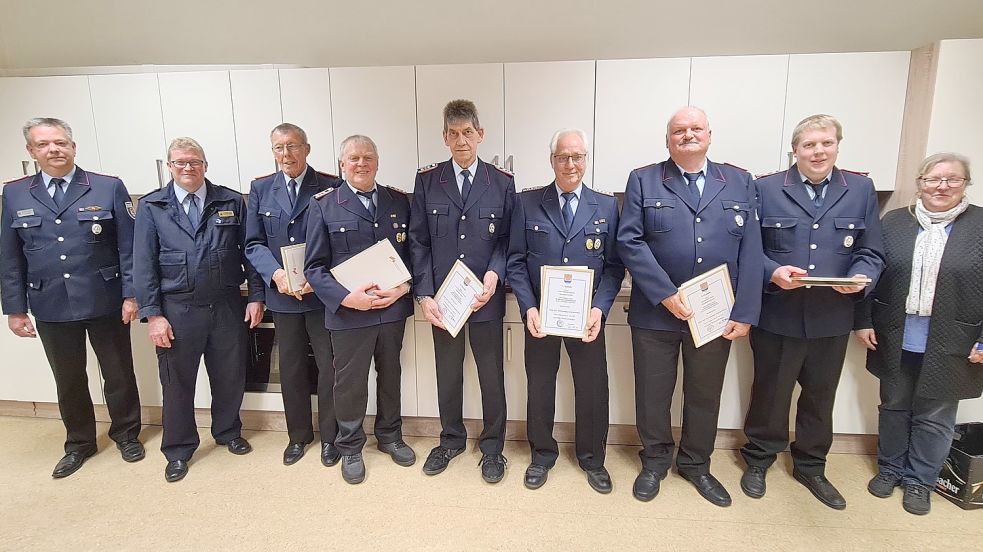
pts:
[456, 295]
[711, 298]
[565, 300]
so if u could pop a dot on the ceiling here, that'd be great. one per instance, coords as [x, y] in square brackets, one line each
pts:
[80, 33]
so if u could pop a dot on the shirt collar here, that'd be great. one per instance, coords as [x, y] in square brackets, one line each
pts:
[67, 178]
[180, 194]
[356, 190]
[576, 191]
[826, 179]
[471, 169]
[703, 169]
[300, 178]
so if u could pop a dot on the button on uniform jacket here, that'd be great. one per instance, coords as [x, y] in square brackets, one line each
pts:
[66, 263]
[665, 239]
[272, 223]
[840, 239]
[199, 265]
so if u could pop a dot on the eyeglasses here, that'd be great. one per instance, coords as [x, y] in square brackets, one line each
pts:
[954, 182]
[194, 163]
[563, 159]
[292, 148]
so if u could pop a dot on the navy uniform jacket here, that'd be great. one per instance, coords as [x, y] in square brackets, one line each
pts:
[199, 266]
[272, 223]
[665, 240]
[338, 228]
[538, 238]
[444, 229]
[69, 263]
[841, 239]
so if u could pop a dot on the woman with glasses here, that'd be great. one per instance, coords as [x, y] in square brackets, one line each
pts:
[921, 325]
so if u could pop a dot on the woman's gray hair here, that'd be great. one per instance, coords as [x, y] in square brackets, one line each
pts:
[944, 157]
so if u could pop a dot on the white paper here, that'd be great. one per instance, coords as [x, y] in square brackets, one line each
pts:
[711, 298]
[293, 265]
[565, 300]
[456, 295]
[378, 264]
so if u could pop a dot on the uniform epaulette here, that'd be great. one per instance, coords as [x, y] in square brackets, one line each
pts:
[762, 175]
[647, 166]
[264, 176]
[533, 188]
[391, 189]
[329, 175]
[503, 171]
[861, 173]
[323, 193]
[609, 194]
[735, 166]
[426, 169]
[103, 174]
[148, 194]
[18, 179]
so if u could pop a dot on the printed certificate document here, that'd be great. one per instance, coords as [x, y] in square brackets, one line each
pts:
[565, 300]
[293, 264]
[379, 263]
[711, 298]
[456, 295]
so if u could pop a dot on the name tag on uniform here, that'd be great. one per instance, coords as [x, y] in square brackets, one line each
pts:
[226, 214]
[25, 213]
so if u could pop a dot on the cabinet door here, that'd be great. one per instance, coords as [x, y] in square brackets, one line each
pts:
[131, 129]
[65, 98]
[378, 102]
[866, 92]
[305, 100]
[744, 97]
[541, 98]
[255, 110]
[635, 99]
[199, 105]
[438, 84]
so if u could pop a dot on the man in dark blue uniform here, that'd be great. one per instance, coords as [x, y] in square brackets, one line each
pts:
[365, 323]
[461, 210]
[188, 261]
[566, 223]
[67, 238]
[816, 220]
[276, 216]
[682, 218]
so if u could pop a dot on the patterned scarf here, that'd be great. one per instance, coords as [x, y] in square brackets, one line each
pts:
[929, 246]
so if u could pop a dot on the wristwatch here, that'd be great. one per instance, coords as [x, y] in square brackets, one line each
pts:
[420, 298]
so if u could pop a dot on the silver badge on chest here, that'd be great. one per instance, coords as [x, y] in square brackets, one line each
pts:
[491, 227]
[848, 241]
[739, 220]
[97, 228]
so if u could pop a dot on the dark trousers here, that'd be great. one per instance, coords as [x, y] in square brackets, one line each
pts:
[294, 331]
[64, 345]
[487, 346]
[779, 362]
[914, 433]
[218, 332]
[656, 356]
[353, 354]
[588, 364]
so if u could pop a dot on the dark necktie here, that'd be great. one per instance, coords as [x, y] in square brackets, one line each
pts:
[194, 215]
[567, 210]
[818, 189]
[292, 192]
[370, 206]
[466, 186]
[59, 196]
[693, 188]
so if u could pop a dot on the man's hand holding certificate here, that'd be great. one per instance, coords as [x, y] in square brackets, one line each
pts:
[705, 302]
[457, 296]
[376, 277]
[290, 280]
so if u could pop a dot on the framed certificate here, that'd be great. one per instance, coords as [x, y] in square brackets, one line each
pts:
[456, 295]
[565, 300]
[379, 264]
[711, 298]
[293, 264]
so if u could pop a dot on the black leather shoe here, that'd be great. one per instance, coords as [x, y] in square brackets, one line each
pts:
[646, 485]
[822, 489]
[438, 459]
[70, 463]
[599, 479]
[330, 455]
[882, 485]
[536, 476]
[753, 481]
[132, 450]
[175, 470]
[709, 488]
[353, 468]
[240, 446]
[492, 467]
[400, 452]
[917, 499]
[293, 453]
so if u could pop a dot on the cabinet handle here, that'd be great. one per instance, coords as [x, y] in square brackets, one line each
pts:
[791, 160]
[508, 344]
[25, 166]
[508, 164]
[495, 161]
[160, 173]
[626, 304]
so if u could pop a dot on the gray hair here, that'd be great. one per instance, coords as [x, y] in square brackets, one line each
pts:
[563, 133]
[461, 110]
[48, 122]
[356, 139]
[185, 144]
[945, 157]
[816, 122]
[687, 108]
[287, 128]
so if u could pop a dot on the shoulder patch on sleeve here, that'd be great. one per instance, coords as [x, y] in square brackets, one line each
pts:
[426, 169]
[18, 179]
[329, 175]
[130, 209]
[861, 173]
[323, 193]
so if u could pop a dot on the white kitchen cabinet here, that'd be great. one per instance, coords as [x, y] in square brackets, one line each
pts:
[541, 98]
[866, 92]
[198, 104]
[481, 83]
[127, 115]
[256, 110]
[305, 100]
[635, 99]
[378, 102]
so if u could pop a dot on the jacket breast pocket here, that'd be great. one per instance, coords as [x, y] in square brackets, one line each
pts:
[491, 222]
[736, 213]
[595, 237]
[339, 234]
[28, 229]
[96, 225]
[437, 219]
[537, 237]
[778, 233]
[271, 219]
[230, 267]
[848, 230]
[173, 271]
[657, 213]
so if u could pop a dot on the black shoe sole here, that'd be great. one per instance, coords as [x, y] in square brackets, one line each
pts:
[133, 459]
[602, 490]
[330, 463]
[441, 470]
[354, 481]
[493, 480]
[802, 479]
[292, 461]
[916, 512]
